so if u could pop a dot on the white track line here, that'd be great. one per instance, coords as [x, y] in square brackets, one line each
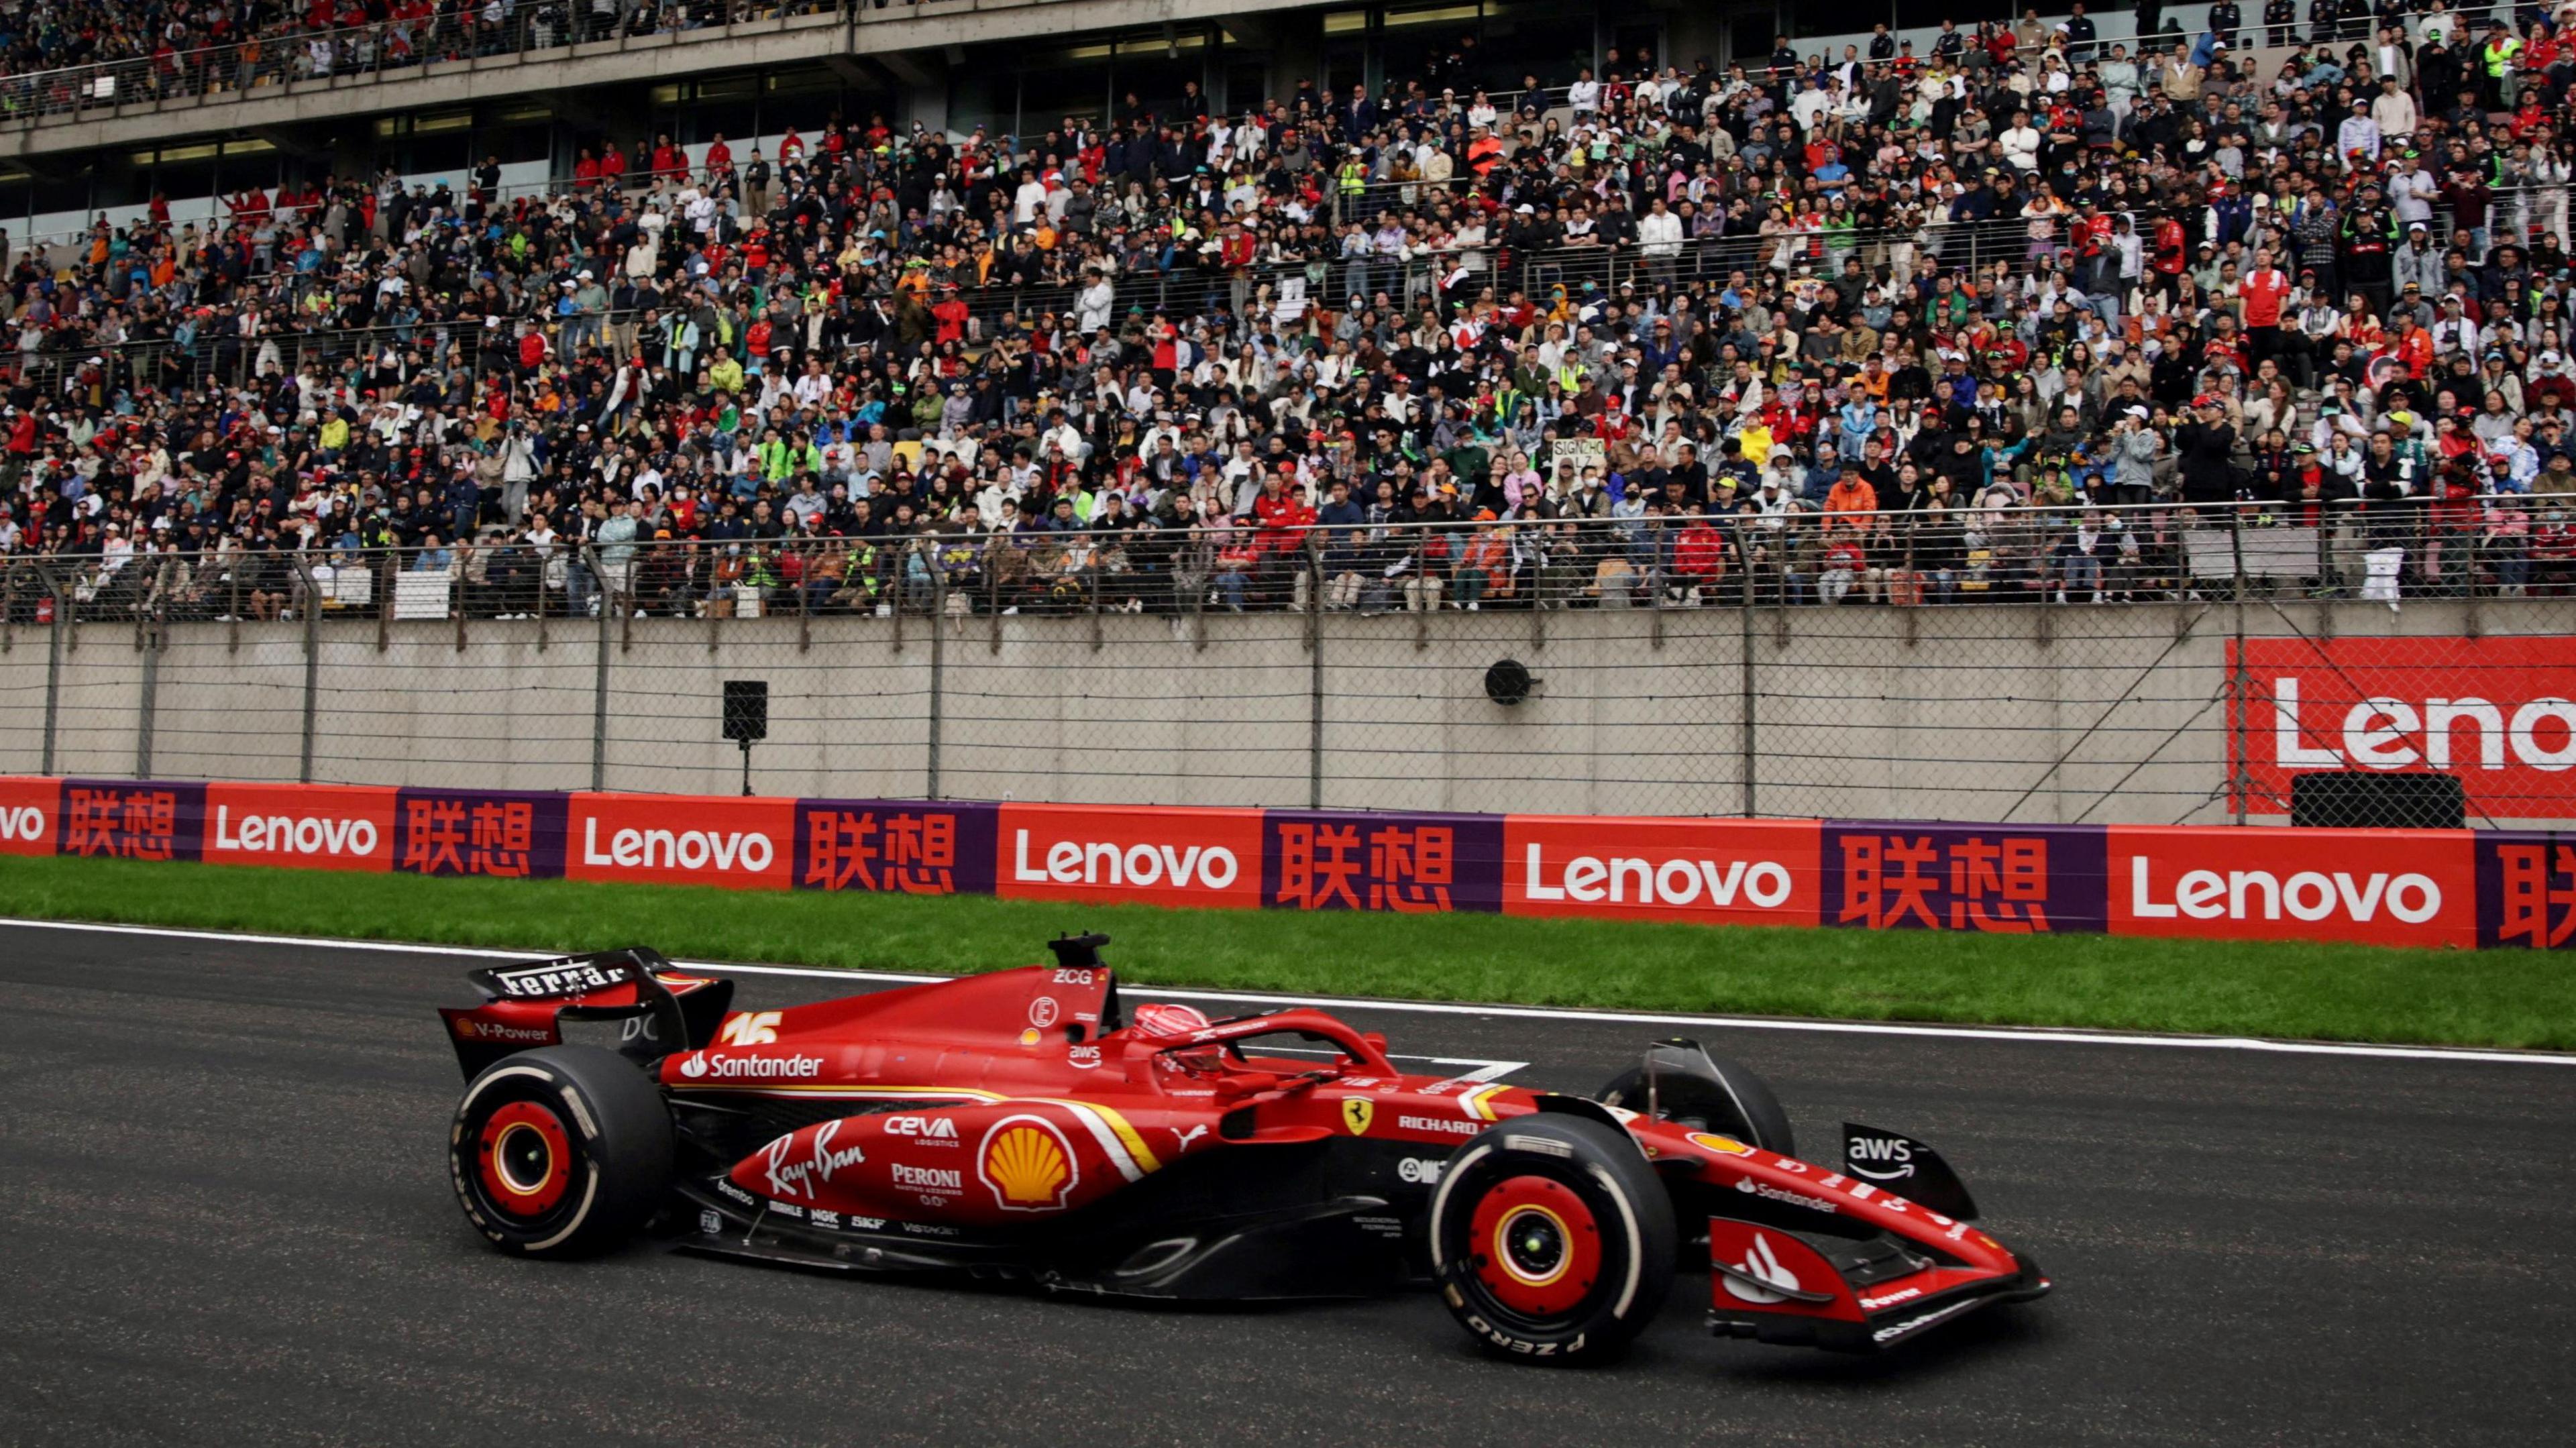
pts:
[1436, 1008]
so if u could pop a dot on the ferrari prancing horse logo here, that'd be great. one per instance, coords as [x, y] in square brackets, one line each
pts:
[1357, 1111]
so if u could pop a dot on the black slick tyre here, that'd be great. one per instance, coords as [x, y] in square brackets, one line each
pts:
[560, 1152]
[1551, 1239]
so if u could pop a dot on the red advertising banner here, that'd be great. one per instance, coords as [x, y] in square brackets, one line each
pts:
[1708, 872]
[1205, 857]
[27, 811]
[2415, 887]
[2498, 712]
[307, 826]
[740, 842]
[2444, 888]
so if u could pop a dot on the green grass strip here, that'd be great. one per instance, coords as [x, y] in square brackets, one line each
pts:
[2516, 999]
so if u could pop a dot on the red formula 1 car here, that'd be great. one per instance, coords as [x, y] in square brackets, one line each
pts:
[1024, 1125]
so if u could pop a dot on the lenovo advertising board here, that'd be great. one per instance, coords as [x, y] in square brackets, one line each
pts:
[2496, 712]
[306, 826]
[2414, 887]
[1712, 872]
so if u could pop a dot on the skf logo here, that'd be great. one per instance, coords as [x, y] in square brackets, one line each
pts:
[1028, 1164]
[1357, 1113]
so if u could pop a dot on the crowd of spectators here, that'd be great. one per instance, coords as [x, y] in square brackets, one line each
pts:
[58, 50]
[2017, 315]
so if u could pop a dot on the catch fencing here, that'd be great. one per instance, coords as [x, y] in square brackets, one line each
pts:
[2150, 666]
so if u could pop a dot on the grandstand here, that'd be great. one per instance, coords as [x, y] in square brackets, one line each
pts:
[1473, 296]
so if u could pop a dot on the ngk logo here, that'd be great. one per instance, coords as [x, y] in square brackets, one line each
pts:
[280, 834]
[1705, 870]
[1201, 857]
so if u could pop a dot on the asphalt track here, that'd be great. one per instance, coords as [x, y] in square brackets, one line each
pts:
[226, 1221]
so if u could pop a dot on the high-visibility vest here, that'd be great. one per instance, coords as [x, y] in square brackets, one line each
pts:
[2500, 57]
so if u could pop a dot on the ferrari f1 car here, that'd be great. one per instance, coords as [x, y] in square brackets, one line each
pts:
[1026, 1125]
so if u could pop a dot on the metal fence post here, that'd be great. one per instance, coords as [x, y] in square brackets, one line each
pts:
[599, 671]
[1752, 752]
[312, 668]
[147, 641]
[2238, 695]
[1314, 673]
[54, 663]
[932, 726]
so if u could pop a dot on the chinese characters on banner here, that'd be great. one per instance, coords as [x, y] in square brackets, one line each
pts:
[132, 820]
[1999, 879]
[2527, 891]
[1408, 863]
[2387, 887]
[506, 835]
[894, 846]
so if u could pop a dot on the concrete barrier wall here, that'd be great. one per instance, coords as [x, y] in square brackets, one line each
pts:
[2065, 715]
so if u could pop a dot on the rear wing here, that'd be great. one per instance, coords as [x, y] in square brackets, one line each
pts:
[664, 1009]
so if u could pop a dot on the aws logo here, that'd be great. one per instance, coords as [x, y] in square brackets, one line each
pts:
[1028, 1164]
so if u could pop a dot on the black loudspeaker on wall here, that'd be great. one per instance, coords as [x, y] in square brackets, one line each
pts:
[746, 710]
[2345, 799]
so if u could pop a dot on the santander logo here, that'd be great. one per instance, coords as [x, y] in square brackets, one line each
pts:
[2385, 733]
[293, 834]
[2310, 895]
[1076, 862]
[26, 822]
[1670, 881]
[678, 849]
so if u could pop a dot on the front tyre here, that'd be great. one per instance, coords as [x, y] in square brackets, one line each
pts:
[560, 1152]
[1552, 1239]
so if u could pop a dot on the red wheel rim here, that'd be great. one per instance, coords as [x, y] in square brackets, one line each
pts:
[523, 1159]
[1536, 1247]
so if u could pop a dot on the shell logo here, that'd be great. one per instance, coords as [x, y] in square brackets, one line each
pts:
[1028, 1164]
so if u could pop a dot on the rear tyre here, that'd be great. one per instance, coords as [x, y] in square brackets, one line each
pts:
[560, 1152]
[1742, 1106]
[1552, 1239]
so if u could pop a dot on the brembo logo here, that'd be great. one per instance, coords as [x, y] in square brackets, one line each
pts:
[293, 834]
[678, 849]
[2259, 894]
[1674, 880]
[1079, 862]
